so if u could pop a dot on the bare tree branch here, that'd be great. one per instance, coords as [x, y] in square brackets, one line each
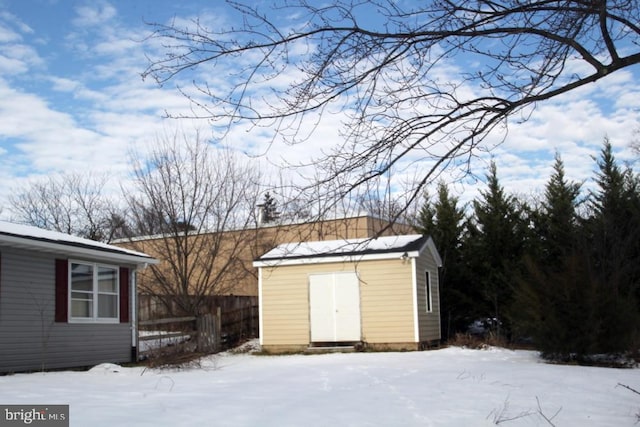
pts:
[629, 388]
[195, 208]
[69, 203]
[546, 418]
[427, 82]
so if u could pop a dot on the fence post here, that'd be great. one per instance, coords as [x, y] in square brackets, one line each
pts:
[218, 329]
[208, 333]
[242, 320]
[254, 315]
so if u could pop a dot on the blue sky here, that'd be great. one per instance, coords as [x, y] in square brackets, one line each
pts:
[72, 99]
[72, 95]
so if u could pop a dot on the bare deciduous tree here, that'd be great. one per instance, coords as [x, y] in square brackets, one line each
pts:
[69, 203]
[413, 81]
[196, 205]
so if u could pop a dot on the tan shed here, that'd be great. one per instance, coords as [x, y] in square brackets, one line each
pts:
[382, 293]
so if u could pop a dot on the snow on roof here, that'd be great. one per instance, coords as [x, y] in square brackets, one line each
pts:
[364, 246]
[34, 236]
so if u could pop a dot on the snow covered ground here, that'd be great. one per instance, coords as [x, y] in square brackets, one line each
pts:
[448, 387]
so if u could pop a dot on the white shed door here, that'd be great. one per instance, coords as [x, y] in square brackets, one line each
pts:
[334, 302]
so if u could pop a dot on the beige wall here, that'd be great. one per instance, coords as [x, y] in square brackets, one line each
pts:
[247, 245]
[219, 263]
[386, 302]
[345, 228]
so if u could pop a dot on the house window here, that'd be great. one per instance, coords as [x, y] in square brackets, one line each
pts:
[427, 292]
[94, 292]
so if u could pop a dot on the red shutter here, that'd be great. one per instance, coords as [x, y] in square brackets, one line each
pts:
[124, 295]
[62, 290]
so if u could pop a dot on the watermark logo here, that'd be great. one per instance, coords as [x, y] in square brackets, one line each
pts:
[34, 415]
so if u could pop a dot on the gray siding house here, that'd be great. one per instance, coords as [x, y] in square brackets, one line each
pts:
[65, 301]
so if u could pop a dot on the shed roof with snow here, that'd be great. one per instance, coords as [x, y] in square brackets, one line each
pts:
[408, 246]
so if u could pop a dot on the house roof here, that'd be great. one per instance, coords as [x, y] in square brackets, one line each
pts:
[34, 238]
[409, 246]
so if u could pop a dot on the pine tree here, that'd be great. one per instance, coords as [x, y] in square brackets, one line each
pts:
[554, 297]
[269, 209]
[427, 219]
[558, 221]
[495, 248]
[558, 307]
[614, 231]
[443, 220]
[586, 301]
[614, 224]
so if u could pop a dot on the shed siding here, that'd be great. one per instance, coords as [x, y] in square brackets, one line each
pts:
[385, 301]
[29, 337]
[428, 323]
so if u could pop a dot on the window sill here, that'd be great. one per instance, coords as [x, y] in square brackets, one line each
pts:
[94, 321]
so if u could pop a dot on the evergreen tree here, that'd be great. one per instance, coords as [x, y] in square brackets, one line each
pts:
[586, 301]
[550, 298]
[558, 221]
[614, 224]
[614, 231]
[558, 307]
[495, 245]
[269, 209]
[443, 220]
[427, 220]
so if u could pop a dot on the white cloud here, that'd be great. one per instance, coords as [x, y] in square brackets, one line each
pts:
[64, 85]
[12, 66]
[93, 14]
[115, 47]
[16, 55]
[7, 35]
[26, 115]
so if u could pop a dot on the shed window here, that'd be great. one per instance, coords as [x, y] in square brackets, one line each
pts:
[427, 292]
[94, 292]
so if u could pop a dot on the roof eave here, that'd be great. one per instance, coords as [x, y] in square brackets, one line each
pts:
[76, 251]
[431, 245]
[321, 259]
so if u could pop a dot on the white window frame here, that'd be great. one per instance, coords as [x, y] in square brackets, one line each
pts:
[427, 292]
[95, 292]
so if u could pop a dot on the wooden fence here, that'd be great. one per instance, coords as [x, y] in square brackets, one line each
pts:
[239, 324]
[206, 329]
[154, 307]
[235, 318]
